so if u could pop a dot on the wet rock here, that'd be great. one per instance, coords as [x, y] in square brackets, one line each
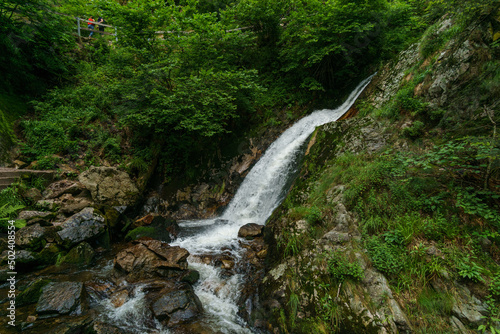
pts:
[83, 254]
[119, 297]
[151, 258]
[250, 231]
[61, 298]
[99, 327]
[177, 306]
[25, 258]
[32, 293]
[48, 255]
[31, 237]
[72, 326]
[62, 187]
[155, 226]
[109, 186]
[82, 226]
[186, 211]
[191, 276]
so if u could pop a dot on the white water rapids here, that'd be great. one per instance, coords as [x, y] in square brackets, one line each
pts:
[260, 193]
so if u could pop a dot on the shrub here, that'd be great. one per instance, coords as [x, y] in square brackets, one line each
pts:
[340, 268]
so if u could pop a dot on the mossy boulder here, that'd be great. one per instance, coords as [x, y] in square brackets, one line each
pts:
[49, 254]
[32, 293]
[83, 254]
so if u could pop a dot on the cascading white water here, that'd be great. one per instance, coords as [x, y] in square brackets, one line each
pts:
[260, 193]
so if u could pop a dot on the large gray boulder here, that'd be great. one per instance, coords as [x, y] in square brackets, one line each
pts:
[109, 186]
[82, 226]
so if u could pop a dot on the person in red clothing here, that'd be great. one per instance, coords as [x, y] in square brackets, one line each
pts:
[91, 25]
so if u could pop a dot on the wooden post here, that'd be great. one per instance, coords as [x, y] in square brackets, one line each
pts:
[78, 22]
[116, 35]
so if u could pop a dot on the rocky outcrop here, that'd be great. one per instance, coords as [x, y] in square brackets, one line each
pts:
[109, 186]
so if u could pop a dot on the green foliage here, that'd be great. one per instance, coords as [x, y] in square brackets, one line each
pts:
[467, 269]
[434, 302]
[415, 130]
[385, 257]
[340, 268]
[34, 45]
[314, 216]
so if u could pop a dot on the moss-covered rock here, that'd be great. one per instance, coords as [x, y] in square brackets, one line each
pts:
[83, 254]
[142, 231]
[49, 254]
[31, 294]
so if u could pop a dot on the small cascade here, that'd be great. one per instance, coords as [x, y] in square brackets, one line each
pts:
[261, 192]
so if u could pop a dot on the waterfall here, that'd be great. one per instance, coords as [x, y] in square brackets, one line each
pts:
[260, 193]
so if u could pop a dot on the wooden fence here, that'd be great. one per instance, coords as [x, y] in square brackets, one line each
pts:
[80, 28]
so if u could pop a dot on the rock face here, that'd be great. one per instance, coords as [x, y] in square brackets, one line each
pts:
[250, 231]
[82, 226]
[109, 186]
[61, 298]
[151, 258]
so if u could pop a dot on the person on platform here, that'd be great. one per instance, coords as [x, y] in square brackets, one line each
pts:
[91, 25]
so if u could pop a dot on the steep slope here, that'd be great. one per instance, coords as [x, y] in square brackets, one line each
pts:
[392, 223]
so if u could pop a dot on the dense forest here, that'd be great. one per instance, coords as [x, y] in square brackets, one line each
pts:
[176, 83]
[220, 67]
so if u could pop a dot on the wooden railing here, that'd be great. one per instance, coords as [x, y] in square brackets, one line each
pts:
[80, 28]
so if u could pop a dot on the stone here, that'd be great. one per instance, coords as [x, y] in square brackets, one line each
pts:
[20, 164]
[61, 298]
[83, 254]
[109, 186]
[49, 254]
[467, 307]
[119, 297]
[99, 327]
[155, 226]
[250, 230]
[335, 237]
[25, 258]
[31, 237]
[82, 226]
[191, 276]
[177, 307]
[62, 187]
[227, 264]
[48, 204]
[33, 194]
[457, 326]
[32, 293]
[151, 258]
[70, 205]
[32, 216]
